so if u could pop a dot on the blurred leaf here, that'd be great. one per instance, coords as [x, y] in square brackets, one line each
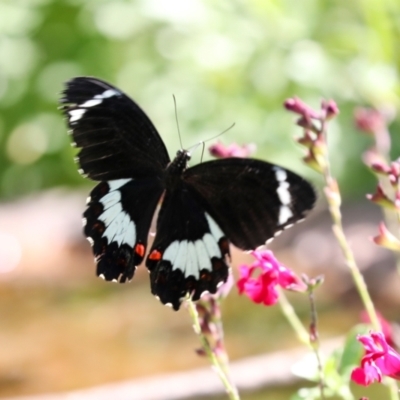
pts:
[353, 350]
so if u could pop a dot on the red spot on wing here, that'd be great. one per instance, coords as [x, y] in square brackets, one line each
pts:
[140, 249]
[155, 255]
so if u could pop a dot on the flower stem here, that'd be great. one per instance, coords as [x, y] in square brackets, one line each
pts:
[334, 200]
[293, 319]
[219, 365]
[314, 341]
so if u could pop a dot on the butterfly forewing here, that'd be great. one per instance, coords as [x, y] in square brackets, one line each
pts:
[117, 139]
[119, 146]
[252, 200]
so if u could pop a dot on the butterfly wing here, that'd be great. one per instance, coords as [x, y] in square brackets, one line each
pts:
[120, 147]
[189, 251]
[116, 137]
[117, 223]
[250, 199]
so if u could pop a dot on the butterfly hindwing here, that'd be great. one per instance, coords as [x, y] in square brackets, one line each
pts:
[117, 223]
[252, 200]
[190, 251]
[116, 138]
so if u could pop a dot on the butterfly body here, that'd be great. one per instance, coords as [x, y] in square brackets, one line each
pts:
[203, 208]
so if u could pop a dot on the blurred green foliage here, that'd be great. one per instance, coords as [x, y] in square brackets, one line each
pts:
[226, 61]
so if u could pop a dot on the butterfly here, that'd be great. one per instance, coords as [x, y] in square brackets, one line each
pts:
[204, 208]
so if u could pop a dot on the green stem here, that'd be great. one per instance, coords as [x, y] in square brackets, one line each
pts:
[334, 201]
[315, 341]
[219, 367]
[293, 319]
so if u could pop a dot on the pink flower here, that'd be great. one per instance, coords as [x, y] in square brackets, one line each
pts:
[379, 359]
[219, 150]
[259, 280]
[330, 108]
[386, 326]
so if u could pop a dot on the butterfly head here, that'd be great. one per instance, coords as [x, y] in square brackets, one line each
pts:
[181, 159]
[176, 167]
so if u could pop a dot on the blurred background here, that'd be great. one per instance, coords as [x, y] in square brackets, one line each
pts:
[228, 61]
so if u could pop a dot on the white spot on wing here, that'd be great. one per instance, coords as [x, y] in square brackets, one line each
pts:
[110, 214]
[284, 195]
[98, 99]
[171, 252]
[284, 214]
[120, 222]
[130, 234]
[121, 229]
[108, 93]
[181, 257]
[116, 184]
[91, 103]
[212, 247]
[191, 257]
[113, 231]
[110, 199]
[203, 259]
[214, 228]
[191, 263]
[187, 256]
[76, 115]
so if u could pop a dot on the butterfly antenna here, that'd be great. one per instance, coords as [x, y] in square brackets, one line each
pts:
[202, 151]
[194, 147]
[219, 134]
[177, 122]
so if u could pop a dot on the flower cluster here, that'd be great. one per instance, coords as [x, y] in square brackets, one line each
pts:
[379, 360]
[391, 174]
[313, 123]
[387, 193]
[259, 281]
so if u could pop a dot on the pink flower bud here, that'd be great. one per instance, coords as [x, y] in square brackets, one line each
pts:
[380, 168]
[373, 159]
[312, 162]
[380, 198]
[330, 108]
[369, 120]
[299, 107]
[219, 150]
[386, 239]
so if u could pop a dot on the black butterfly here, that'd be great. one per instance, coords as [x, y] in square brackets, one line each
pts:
[243, 201]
